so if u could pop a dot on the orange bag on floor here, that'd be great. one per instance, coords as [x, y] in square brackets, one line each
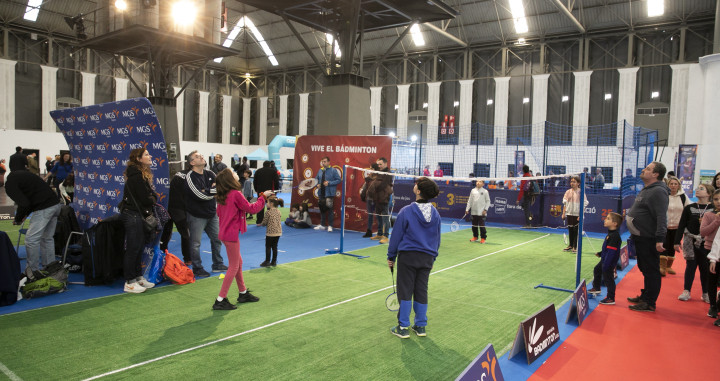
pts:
[176, 270]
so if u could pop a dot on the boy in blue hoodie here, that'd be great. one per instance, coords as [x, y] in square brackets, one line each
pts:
[609, 256]
[414, 245]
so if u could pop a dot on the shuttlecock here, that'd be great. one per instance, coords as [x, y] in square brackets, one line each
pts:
[222, 276]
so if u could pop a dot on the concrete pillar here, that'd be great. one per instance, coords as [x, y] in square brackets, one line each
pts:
[203, 116]
[88, 88]
[7, 94]
[282, 130]
[402, 111]
[121, 88]
[502, 94]
[375, 97]
[262, 137]
[581, 107]
[678, 103]
[433, 112]
[180, 108]
[303, 114]
[465, 117]
[246, 121]
[226, 112]
[708, 130]
[539, 107]
[49, 97]
[626, 97]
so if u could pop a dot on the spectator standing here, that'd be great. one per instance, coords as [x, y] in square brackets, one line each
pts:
[478, 205]
[328, 179]
[201, 213]
[426, 171]
[526, 196]
[3, 170]
[33, 164]
[599, 180]
[380, 191]
[370, 203]
[18, 160]
[241, 168]
[48, 163]
[32, 195]
[218, 165]
[266, 178]
[176, 210]
[571, 212]
[60, 171]
[708, 230]
[628, 182]
[647, 222]
[676, 203]
[693, 247]
[438, 171]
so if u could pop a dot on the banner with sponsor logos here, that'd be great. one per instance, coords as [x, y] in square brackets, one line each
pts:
[485, 367]
[358, 151]
[686, 167]
[536, 334]
[100, 138]
[578, 304]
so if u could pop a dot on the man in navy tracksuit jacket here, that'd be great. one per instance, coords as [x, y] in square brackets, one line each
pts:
[414, 245]
[605, 269]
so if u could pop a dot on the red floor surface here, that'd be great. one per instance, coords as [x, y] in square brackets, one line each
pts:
[676, 342]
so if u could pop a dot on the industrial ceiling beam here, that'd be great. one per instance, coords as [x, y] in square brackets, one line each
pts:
[446, 34]
[563, 9]
[387, 53]
[302, 42]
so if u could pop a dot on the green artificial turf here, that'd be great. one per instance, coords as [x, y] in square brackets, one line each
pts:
[480, 301]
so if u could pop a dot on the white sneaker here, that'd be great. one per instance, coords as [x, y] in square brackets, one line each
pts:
[319, 227]
[685, 296]
[134, 288]
[145, 283]
[329, 228]
[706, 298]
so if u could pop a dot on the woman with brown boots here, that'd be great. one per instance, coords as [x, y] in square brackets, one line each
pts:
[677, 202]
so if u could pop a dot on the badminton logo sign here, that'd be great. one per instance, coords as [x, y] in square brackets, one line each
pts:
[536, 334]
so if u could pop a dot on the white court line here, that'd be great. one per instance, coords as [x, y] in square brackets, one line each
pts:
[9, 373]
[290, 318]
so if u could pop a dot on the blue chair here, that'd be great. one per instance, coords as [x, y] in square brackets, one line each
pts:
[23, 231]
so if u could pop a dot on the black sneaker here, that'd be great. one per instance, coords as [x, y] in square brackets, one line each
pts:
[607, 301]
[273, 263]
[713, 312]
[635, 300]
[200, 273]
[219, 268]
[265, 264]
[368, 234]
[223, 305]
[420, 331]
[717, 323]
[401, 332]
[247, 297]
[594, 291]
[642, 307]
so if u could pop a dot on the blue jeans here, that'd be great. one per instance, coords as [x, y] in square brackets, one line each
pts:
[39, 241]
[383, 212]
[211, 227]
[326, 206]
[370, 213]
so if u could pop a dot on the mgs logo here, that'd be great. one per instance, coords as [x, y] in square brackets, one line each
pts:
[106, 177]
[130, 114]
[78, 147]
[80, 133]
[146, 129]
[102, 147]
[112, 192]
[69, 133]
[159, 161]
[104, 207]
[118, 147]
[556, 210]
[98, 191]
[95, 220]
[112, 163]
[93, 132]
[92, 205]
[124, 131]
[148, 111]
[97, 117]
[92, 176]
[161, 197]
[159, 146]
[70, 119]
[81, 202]
[162, 181]
[141, 144]
[82, 175]
[88, 189]
[82, 118]
[60, 120]
[112, 115]
[85, 160]
[89, 147]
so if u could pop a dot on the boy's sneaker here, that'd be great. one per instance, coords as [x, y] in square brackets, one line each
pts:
[594, 291]
[712, 312]
[401, 332]
[706, 297]
[607, 301]
[133, 288]
[223, 305]
[685, 296]
[329, 229]
[265, 264]
[420, 331]
[717, 323]
[482, 240]
[200, 273]
[635, 300]
[219, 268]
[384, 240]
[145, 283]
[368, 234]
[273, 264]
[376, 237]
[247, 297]
[473, 239]
[319, 227]
[642, 307]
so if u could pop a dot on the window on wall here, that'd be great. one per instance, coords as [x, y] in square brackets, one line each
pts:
[481, 169]
[447, 168]
[482, 134]
[555, 169]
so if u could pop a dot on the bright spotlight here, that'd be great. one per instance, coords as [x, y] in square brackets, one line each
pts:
[413, 138]
[121, 5]
[391, 134]
[183, 12]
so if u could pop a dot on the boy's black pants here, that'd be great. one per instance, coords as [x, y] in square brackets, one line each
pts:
[606, 276]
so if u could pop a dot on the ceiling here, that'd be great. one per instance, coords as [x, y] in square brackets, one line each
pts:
[479, 23]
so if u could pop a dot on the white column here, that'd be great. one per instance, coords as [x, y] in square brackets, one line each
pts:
[227, 111]
[262, 137]
[121, 88]
[678, 103]
[375, 98]
[203, 116]
[626, 99]
[282, 130]
[708, 152]
[402, 112]
[88, 88]
[303, 114]
[433, 112]
[465, 117]
[180, 108]
[246, 121]
[49, 97]
[147, 90]
[7, 94]
[581, 107]
[502, 93]
[539, 107]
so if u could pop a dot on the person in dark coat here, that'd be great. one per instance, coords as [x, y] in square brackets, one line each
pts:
[33, 195]
[266, 178]
[176, 209]
[18, 161]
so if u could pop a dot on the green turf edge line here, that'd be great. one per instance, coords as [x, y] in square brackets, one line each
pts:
[9, 373]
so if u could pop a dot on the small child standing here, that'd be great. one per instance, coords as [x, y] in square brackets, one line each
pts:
[605, 269]
[478, 205]
[273, 221]
[247, 188]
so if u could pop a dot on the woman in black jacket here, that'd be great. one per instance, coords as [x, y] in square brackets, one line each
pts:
[137, 203]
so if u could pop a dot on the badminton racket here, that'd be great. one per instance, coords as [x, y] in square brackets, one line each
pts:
[455, 225]
[391, 302]
[566, 239]
[306, 185]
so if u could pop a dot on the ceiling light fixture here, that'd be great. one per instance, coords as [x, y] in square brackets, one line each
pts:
[32, 10]
[655, 8]
[184, 12]
[417, 35]
[518, 14]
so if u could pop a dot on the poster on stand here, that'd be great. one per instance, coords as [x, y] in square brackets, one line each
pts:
[686, 167]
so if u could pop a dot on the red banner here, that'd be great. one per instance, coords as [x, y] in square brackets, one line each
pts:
[357, 151]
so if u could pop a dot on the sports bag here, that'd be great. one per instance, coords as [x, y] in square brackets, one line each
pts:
[176, 270]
